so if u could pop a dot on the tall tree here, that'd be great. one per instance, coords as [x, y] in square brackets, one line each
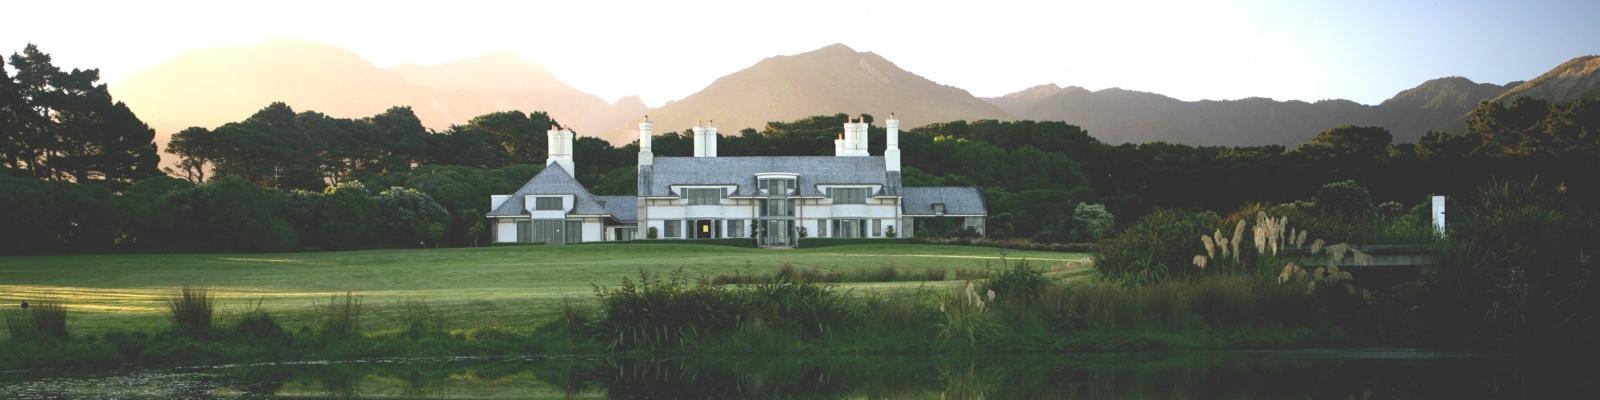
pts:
[64, 125]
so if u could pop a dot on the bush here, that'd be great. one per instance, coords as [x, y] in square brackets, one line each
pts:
[1346, 199]
[574, 317]
[1016, 283]
[935, 274]
[191, 310]
[1156, 247]
[1093, 222]
[418, 319]
[44, 319]
[1517, 272]
[650, 233]
[257, 325]
[660, 312]
[342, 316]
[1014, 244]
[965, 314]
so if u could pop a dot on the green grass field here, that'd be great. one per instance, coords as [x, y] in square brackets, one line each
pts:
[514, 287]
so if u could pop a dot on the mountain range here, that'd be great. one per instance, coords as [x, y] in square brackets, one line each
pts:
[210, 87]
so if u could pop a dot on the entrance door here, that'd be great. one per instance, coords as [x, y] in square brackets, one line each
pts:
[703, 229]
[777, 232]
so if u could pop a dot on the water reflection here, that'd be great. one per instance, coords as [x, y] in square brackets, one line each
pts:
[1261, 375]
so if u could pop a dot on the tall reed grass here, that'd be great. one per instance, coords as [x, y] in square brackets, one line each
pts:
[43, 319]
[342, 316]
[192, 310]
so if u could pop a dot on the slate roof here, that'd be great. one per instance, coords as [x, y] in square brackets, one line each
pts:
[621, 208]
[741, 171]
[552, 180]
[958, 200]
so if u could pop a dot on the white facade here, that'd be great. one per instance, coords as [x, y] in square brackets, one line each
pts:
[773, 200]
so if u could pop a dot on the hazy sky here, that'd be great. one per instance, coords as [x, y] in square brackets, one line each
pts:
[662, 50]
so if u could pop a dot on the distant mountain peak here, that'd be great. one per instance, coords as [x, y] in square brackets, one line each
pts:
[1575, 78]
[1035, 92]
[828, 80]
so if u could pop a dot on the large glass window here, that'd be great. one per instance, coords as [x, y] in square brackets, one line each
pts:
[547, 203]
[574, 233]
[848, 195]
[539, 230]
[736, 228]
[673, 228]
[849, 228]
[703, 196]
[776, 186]
[777, 208]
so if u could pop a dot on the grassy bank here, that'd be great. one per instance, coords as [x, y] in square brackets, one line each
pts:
[515, 287]
[1013, 307]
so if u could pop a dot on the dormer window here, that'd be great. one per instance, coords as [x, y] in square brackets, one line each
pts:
[703, 196]
[547, 203]
[776, 186]
[848, 195]
[938, 208]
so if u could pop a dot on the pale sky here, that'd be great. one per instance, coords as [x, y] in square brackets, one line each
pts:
[1359, 50]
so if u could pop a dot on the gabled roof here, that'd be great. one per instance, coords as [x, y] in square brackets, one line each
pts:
[957, 200]
[741, 171]
[622, 208]
[553, 180]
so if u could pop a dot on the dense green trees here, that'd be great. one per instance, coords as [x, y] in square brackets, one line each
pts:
[63, 125]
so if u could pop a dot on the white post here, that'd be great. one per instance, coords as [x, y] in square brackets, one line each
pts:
[891, 143]
[646, 155]
[711, 139]
[1438, 214]
[699, 140]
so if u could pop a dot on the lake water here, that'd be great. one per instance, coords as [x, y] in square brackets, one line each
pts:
[1342, 374]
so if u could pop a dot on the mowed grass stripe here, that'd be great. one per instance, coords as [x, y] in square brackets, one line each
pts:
[502, 285]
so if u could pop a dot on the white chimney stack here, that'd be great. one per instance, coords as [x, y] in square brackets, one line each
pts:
[705, 140]
[891, 149]
[558, 143]
[646, 155]
[854, 141]
[711, 138]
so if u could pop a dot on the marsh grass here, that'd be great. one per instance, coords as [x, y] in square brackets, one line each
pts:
[342, 316]
[43, 319]
[192, 310]
[259, 325]
[418, 318]
[935, 274]
[574, 316]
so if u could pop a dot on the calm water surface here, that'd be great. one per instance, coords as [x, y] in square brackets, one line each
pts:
[1342, 374]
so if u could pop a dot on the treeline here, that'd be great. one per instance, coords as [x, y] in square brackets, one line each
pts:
[72, 154]
[63, 125]
[424, 207]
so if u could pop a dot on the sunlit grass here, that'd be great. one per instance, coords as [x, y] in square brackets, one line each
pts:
[515, 287]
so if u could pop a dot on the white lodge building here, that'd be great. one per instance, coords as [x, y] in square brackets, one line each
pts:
[772, 200]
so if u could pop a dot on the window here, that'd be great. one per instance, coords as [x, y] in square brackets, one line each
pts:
[877, 228]
[735, 228]
[543, 230]
[524, 231]
[574, 232]
[672, 228]
[848, 195]
[698, 197]
[938, 208]
[777, 208]
[822, 228]
[776, 186]
[849, 228]
[547, 203]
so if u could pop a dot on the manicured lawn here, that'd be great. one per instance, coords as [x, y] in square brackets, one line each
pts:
[513, 287]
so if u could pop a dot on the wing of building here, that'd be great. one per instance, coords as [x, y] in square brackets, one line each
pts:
[774, 201]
